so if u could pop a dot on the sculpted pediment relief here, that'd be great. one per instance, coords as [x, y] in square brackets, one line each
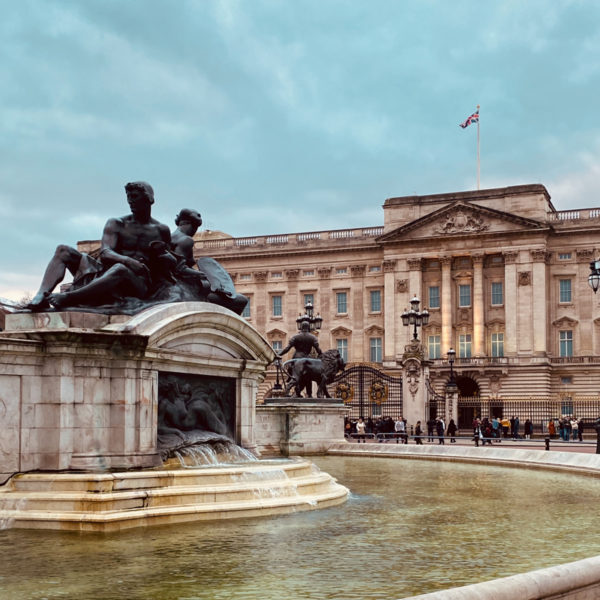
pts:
[564, 322]
[276, 333]
[461, 218]
[341, 331]
[374, 330]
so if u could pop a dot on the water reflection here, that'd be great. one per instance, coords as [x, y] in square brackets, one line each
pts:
[409, 527]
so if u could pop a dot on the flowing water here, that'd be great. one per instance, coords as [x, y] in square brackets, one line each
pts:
[408, 528]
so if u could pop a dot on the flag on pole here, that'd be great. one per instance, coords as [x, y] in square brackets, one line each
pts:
[474, 118]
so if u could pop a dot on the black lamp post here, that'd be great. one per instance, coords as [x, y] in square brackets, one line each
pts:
[278, 387]
[309, 317]
[451, 356]
[414, 317]
[594, 276]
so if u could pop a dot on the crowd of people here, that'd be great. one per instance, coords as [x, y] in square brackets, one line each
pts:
[484, 430]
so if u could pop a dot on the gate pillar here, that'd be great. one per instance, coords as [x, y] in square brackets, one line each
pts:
[414, 367]
[451, 402]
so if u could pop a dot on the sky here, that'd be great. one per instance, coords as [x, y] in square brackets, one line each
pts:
[275, 116]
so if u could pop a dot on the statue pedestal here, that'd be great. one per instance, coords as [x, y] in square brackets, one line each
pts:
[304, 426]
[80, 391]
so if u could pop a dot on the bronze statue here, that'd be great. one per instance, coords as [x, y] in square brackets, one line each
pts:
[303, 371]
[133, 260]
[211, 281]
[302, 343]
[140, 263]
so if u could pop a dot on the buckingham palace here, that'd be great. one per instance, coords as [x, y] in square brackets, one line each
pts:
[502, 274]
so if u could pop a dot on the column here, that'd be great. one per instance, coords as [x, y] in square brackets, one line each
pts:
[478, 328]
[539, 321]
[510, 302]
[446, 303]
[389, 310]
[584, 301]
[327, 309]
[261, 306]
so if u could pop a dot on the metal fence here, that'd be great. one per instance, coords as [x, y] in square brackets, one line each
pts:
[539, 410]
[368, 392]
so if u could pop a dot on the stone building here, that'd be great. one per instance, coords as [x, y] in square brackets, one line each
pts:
[501, 271]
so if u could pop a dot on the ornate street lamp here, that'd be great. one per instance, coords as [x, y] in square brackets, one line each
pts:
[594, 276]
[309, 317]
[414, 317]
[451, 356]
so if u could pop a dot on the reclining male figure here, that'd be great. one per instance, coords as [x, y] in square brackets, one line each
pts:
[133, 260]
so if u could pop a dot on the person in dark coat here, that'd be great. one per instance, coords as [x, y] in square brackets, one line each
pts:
[451, 431]
[440, 430]
[418, 433]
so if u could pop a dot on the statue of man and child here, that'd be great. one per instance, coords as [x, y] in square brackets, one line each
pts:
[140, 263]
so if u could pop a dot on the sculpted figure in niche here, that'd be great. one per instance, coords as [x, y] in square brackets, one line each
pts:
[133, 260]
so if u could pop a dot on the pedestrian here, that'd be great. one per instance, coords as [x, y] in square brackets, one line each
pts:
[505, 426]
[360, 430]
[496, 429]
[528, 429]
[580, 430]
[567, 428]
[516, 428]
[400, 429]
[418, 434]
[440, 431]
[574, 429]
[551, 429]
[452, 429]
[430, 430]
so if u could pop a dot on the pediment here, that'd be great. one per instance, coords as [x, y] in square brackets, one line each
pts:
[341, 331]
[276, 333]
[374, 330]
[564, 322]
[460, 219]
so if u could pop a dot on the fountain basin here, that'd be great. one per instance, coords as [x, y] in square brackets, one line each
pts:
[114, 501]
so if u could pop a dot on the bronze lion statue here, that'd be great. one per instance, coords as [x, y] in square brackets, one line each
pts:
[302, 372]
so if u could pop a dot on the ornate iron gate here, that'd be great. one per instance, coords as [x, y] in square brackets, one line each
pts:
[368, 392]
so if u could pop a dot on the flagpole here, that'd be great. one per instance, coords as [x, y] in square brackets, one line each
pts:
[478, 161]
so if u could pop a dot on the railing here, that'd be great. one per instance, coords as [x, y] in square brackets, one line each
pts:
[574, 215]
[292, 238]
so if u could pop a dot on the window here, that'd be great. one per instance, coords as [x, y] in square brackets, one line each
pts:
[566, 343]
[497, 344]
[277, 345]
[434, 296]
[497, 293]
[375, 269]
[375, 348]
[245, 276]
[308, 273]
[566, 380]
[246, 311]
[342, 348]
[309, 298]
[341, 271]
[464, 345]
[434, 346]
[564, 256]
[276, 274]
[341, 299]
[375, 300]
[277, 310]
[464, 295]
[564, 290]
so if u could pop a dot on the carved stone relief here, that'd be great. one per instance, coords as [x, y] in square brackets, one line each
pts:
[460, 221]
[402, 285]
[524, 277]
[389, 266]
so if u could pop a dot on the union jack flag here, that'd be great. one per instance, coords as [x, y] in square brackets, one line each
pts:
[474, 118]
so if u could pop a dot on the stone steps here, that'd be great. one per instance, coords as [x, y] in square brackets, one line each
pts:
[110, 502]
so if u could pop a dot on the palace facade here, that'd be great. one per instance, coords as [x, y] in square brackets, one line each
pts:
[503, 274]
